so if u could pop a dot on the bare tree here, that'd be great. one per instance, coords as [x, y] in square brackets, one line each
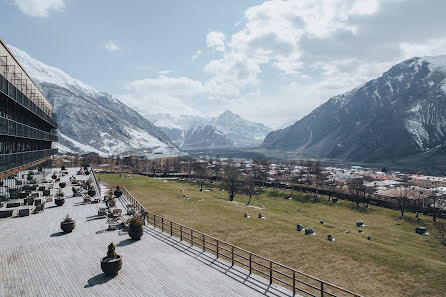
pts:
[231, 181]
[201, 173]
[402, 200]
[435, 200]
[439, 232]
[357, 190]
[250, 182]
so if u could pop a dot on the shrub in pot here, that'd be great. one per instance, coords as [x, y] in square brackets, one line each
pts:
[67, 225]
[112, 263]
[59, 200]
[62, 168]
[136, 227]
[62, 184]
[118, 191]
[54, 176]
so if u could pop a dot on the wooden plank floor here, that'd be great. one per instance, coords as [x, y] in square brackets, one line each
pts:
[37, 259]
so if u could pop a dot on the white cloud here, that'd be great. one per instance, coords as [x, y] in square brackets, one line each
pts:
[216, 40]
[40, 8]
[111, 46]
[197, 55]
[285, 58]
[431, 47]
[163, 94]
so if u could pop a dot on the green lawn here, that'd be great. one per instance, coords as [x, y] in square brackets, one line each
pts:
[396, 262]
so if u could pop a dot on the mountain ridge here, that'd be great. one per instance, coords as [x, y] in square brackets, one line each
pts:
[396, 115]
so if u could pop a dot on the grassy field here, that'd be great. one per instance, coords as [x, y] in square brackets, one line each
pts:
[396, 262]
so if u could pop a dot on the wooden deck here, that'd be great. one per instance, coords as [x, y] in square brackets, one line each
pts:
[37, 259]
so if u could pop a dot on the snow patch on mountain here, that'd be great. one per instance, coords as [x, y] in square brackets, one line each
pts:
[40, 72]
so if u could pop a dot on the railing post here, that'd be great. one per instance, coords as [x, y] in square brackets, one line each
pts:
[192, 237]
[294, 283]
[250, 263]
[322, 289]
[181, 232]
[204, 246]
[232, 255]
[171, 230]
[154, 220]
[270, 272]
[217, 248]
[162, 224]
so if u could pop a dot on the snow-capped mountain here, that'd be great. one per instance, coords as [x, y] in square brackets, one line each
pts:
[238, 131]
[92, 121]
[205, 136]
[400, 114]
[241, 131]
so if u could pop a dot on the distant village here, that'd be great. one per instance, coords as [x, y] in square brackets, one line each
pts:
[365, 186]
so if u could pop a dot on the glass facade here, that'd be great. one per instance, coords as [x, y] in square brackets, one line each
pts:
[27, 130]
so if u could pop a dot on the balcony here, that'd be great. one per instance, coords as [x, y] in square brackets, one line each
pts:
[12, 128]
[11, 161]
[11, 91]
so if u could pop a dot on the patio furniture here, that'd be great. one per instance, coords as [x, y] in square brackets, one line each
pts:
[102, 212]
[116, 213]
[23, 212]
[113, 224]
[12, 204]
[37, 201]
[40, 207]
[87, 199]
[5, 213]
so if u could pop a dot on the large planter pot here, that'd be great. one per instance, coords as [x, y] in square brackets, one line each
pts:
[136, 233]
[62, 184]
[91, 193]
[118, 193]
[54, 176]
[46, 192]
[111, 267]
[59, 201]
[67, 227]
[86, 172]
[62, 168]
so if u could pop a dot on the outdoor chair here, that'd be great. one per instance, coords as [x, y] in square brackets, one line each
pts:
[117, 212]
[113, 224]
[87, 199]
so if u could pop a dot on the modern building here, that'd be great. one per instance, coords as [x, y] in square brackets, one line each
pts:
[27, 126]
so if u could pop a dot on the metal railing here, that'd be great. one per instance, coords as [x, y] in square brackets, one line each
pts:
[13, 128]
[10, 90]
[11, 161]
[96, 182]
[297, 281]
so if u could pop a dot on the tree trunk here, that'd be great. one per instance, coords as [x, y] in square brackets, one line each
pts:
[249, 201]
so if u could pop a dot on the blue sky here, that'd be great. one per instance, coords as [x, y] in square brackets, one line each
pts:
[270, 61]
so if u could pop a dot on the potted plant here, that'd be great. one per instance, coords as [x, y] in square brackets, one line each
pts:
[59, 200]
[118, 191]
[62, 168]
[112, 263]
[136, 227]
[91, 191]
[67, 225]
[54, 176]
[111, 202]
[62, 184]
